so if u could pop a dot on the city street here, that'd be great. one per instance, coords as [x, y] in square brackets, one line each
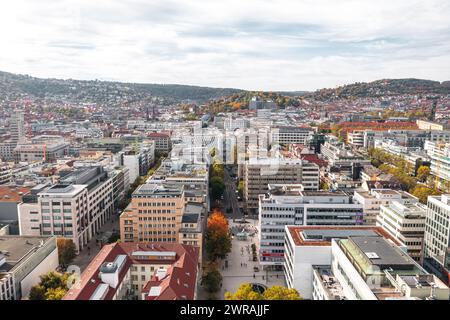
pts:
[84, 257]
[230, 199]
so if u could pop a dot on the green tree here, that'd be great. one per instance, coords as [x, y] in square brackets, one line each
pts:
[217, 187]
[55, 294]
[422, 192]
[53, 286]
[240, 188]
[423, 172]
[37, 292]
[212, 280]
[66, 251]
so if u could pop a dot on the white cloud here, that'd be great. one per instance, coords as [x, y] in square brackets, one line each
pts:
[264, 44]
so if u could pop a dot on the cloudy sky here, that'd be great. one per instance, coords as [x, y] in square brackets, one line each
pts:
[249, 44]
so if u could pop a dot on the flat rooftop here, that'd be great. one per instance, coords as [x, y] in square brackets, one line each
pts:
[158, 189]
[15, 248]
[322, 235]
[376, 251]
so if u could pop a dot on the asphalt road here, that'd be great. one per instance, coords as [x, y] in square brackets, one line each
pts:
[230, 196]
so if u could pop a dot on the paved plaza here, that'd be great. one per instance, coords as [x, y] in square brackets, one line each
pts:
[237, 268]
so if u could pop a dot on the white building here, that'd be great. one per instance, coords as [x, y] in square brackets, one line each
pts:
[374, 268]
[310, 246]
[22, 261]
[76, 208]
[437, 236]
[290, 205]
[373, 199]
[405, 222]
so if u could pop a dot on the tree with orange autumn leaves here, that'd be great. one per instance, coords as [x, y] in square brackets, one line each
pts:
[218, 240]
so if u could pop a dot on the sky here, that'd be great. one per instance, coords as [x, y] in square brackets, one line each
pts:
[248, 44]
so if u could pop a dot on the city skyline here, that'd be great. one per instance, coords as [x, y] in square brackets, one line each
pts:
[256, 45]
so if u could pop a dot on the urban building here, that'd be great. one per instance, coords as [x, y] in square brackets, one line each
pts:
[309, 246]
[76, 208]
[260, 172]
[373, 268]
[22, 261]
[437, 237]
[289, 205]
[406, 222]
[140, 271]
[291, 135]
[372, 200]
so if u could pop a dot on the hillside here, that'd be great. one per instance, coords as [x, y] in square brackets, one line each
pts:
[385, 87]
[14, 86]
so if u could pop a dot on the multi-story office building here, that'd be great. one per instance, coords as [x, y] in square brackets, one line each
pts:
[5, 173]
[231, 124]
[162, 141]
[290, 205]
[144, 271]
[260, 172]
[437, 236]
[22, 261]
[48, 151]
[406, 222]
[154, 214]
[338, 154]
[355, 138]
[373, 268]
[373, 199]
[16, 127]
[257, 103]
[138, 159]
[309, 246]
[76, 208]
[291, 135]
[439, 154]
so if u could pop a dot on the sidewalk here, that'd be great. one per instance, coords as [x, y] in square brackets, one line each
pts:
[83, 259]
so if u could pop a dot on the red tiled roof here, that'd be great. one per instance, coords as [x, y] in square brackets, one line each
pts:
[12, 194]
[186, 262]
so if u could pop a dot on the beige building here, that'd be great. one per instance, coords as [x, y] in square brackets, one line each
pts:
[160, 213]
[260, 172]
[154, 214]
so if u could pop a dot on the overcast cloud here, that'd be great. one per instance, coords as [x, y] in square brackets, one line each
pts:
[249, 44]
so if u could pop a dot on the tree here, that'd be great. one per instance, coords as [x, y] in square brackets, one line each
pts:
[218, 240]
[422, 192]
[244, 292]
[37, 292]
[217, 187]
[423, 173]
[53, 286]
[55, 294]
[212, 280]
[240, 188]
[281, 293]
[66, 251]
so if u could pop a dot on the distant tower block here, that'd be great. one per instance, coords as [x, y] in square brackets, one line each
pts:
[17, 127]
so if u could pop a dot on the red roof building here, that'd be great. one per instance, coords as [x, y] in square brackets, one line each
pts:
[138, 270]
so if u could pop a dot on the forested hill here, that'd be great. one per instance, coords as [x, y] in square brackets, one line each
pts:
[385, 87]
[13, 85]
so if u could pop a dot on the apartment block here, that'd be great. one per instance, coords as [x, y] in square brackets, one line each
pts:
[140, 271]
[373, 199]
[309, 246]
[76, 208]
[290, 205]
[260, 172]
[22, 261]
[437, 237]
[405, 222]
